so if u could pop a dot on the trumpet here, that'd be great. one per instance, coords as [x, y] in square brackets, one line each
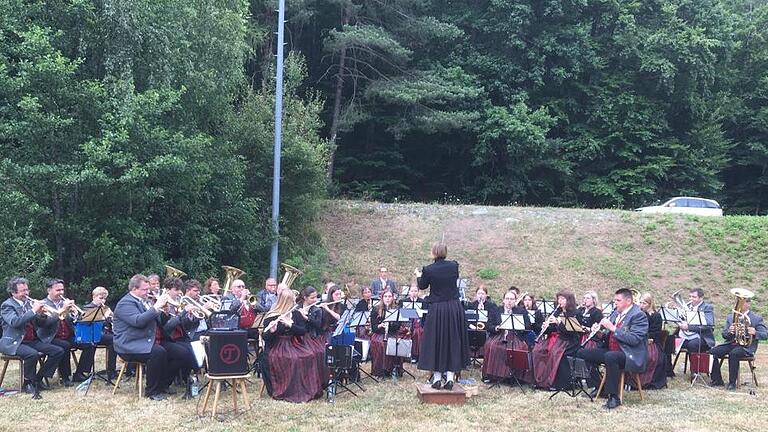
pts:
[47, 309]
[199, 311]
[75, 311]
[213, 300]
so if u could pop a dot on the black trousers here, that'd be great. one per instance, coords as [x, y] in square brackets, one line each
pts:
[65, 367]
[735, 353]
[85, 365]
[29, 352]
[156, 365]
[181, 360]
[613, 361]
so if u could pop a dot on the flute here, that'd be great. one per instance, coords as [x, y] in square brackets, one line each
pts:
[280, 318]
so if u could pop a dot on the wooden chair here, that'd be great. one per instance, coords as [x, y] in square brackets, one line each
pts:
[634, 376]
[7, 359]
[235, 381]
[750, 361]
[139, 377]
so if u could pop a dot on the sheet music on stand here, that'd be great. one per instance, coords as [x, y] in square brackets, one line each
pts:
[463, 285]
[351, 303]
[475, 316]
[400, 315]
[669, 315]
[359, 318]
[696, 318]
[546, 307]
[259, 321]
[573, 325]
[343, 321]
[418, 306]
[514, 322]
[608, 309]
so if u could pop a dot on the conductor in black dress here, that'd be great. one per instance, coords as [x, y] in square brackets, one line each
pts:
[445, 345]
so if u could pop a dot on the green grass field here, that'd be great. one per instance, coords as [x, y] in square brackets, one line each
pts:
[539, 250]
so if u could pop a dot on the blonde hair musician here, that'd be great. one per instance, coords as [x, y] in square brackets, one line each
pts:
[291, 370]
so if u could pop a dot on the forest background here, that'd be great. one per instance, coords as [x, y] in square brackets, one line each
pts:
[135, 133]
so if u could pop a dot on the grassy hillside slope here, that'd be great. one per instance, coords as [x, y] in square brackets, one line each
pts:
[542, 250]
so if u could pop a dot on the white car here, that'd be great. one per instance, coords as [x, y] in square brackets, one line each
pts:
[686, 205]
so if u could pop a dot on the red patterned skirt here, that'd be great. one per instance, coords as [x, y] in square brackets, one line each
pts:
[495, 357]
[590, 344]
[546, 360]
[294, 370]
[653, 360]
[416, 334]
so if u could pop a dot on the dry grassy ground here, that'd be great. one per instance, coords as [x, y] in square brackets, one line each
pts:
[391, 407]
[540, 250]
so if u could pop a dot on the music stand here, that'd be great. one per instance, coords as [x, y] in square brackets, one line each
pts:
[695, 318]
[608, 309]
[92, 320]
[579, 373]
[546, 307]
[516, 359]
[476, 337]
[356, 319]
[399, 316]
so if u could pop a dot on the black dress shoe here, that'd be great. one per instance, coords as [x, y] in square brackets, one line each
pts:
[29, 388]
[437, 385]
[612, 402]
[41, 385]
[716, 383]
[66, 382]
[731, 387]
[448, 385]
[79, 378]
[157, 397]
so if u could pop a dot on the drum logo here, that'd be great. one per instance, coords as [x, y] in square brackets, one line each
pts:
[229, 353]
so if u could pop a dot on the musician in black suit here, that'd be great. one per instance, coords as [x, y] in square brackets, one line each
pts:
[175, 337]
[445, 345]
[626, 346]
[59, 331]
[135, 324]
[382, 283]
[696, 338]
[733, 350]
[19, 318]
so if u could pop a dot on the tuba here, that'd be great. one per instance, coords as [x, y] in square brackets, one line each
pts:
[173, 272]
[741, 321]
[290, 274]
[231, 273]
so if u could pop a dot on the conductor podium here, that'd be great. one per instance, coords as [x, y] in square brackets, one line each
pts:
[456, 396]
